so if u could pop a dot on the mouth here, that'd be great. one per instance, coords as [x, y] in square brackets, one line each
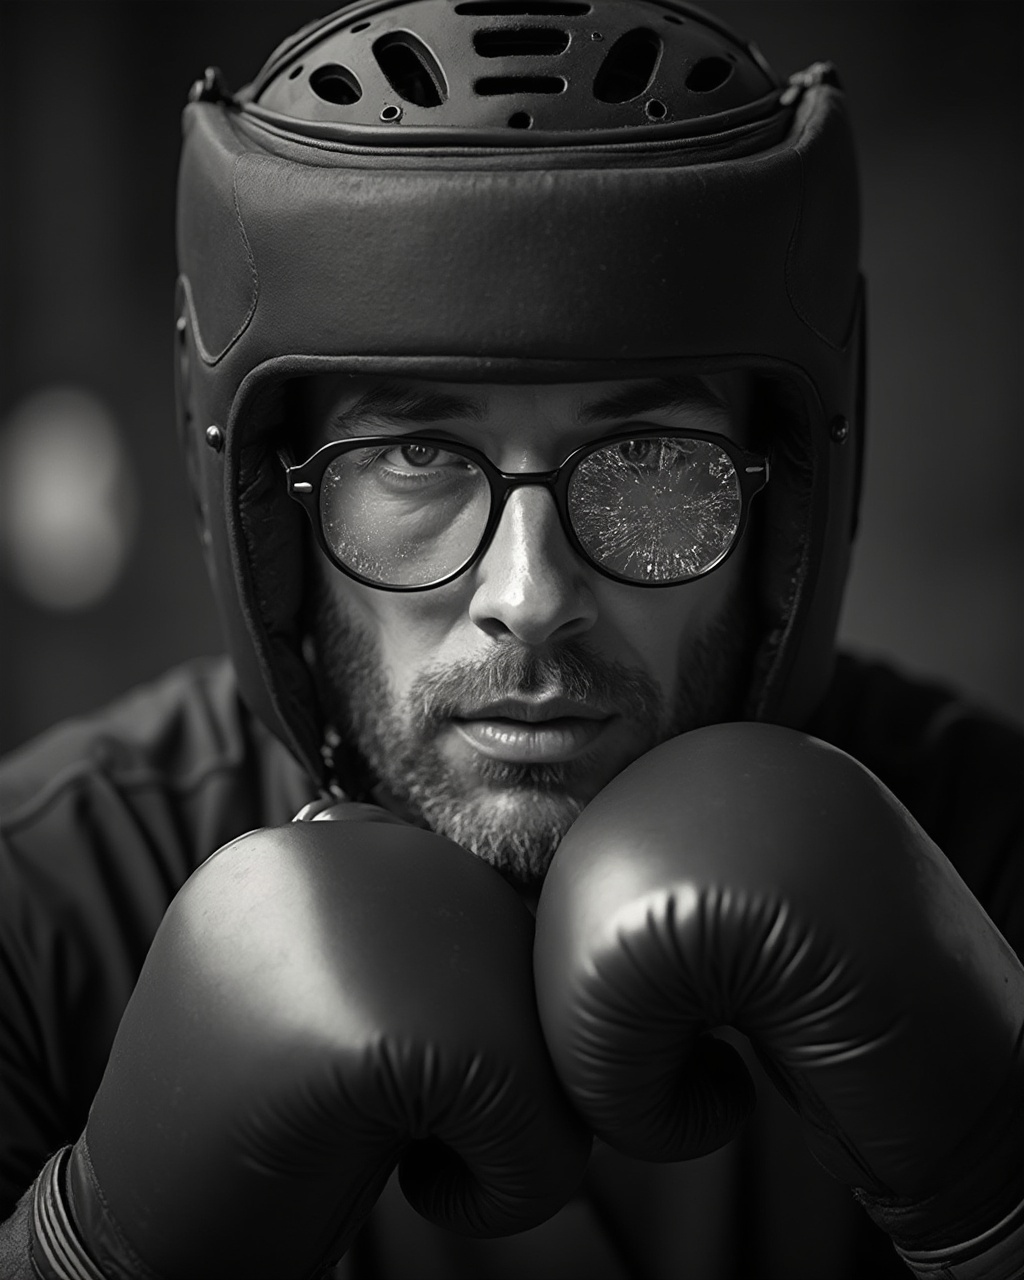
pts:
[547, 732]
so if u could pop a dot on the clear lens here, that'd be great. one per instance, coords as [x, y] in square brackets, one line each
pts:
[656, 509]
[403, 515]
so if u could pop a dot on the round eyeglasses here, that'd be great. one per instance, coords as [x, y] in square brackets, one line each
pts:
[651, 506]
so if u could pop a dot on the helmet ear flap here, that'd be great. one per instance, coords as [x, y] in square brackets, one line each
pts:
[185, 414]
[860, 408]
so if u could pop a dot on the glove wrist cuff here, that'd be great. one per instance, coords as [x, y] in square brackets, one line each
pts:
[74, 1236]
[980, 1184]
[996, 1255]
[57, 1250]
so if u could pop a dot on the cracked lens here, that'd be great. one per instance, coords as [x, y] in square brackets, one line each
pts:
[656, 510]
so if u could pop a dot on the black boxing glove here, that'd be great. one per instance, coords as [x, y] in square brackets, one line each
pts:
[750, 875]
[321, 1002]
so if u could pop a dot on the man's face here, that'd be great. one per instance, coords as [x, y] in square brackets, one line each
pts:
[494, 707]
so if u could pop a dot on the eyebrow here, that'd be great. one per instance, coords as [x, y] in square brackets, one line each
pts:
[390, 404]
[647, 397]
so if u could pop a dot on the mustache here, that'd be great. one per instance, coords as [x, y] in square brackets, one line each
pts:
[569, 671]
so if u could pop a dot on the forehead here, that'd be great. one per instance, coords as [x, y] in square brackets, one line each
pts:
[345, 405]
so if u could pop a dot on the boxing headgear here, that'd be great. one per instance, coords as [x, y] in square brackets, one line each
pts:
[519, 191]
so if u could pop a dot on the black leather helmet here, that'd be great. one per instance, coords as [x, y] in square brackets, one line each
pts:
[519, 190]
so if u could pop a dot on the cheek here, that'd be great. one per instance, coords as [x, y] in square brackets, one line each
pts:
[656, 626]
[407, 629]
[650, 629]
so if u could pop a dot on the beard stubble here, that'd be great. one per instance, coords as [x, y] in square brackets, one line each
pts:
[512, 815]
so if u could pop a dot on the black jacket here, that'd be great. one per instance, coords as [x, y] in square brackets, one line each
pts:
[102, 820]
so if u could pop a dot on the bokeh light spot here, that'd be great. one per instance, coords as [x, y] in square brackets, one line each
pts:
[67, 499]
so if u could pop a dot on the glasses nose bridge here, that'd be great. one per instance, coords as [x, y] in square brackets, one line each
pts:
[509, 481]
[512, 480]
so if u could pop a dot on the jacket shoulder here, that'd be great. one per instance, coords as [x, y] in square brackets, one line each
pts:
[171, 732]
[102, 819]
[956, 766]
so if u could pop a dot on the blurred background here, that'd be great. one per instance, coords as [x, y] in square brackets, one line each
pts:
[101, 581]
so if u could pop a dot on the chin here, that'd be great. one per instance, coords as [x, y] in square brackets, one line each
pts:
[515, 829]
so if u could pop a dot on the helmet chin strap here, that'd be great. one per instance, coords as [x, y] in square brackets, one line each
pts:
[331, 788]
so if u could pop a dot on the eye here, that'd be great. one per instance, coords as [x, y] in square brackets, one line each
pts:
[419, 455]
[661, 454]
[415, 461]
[640, 451]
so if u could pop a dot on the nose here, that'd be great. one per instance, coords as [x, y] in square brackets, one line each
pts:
[529, 583]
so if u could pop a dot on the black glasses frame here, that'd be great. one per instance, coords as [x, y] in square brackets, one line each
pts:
[304, 481]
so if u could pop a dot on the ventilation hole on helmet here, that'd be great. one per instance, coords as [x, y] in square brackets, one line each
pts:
[360, 26]
[411, 69]
[492, 86]
[523, 8]
[295, 72]
[520, 120]
[655, 109]
[628, 67]
[671, 17]
[335, 84]
[708, 74]
[520, 42]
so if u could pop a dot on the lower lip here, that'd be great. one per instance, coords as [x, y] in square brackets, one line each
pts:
[523, 742]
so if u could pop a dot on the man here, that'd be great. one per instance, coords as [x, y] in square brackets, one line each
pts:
[580, 504]
[423, 686]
